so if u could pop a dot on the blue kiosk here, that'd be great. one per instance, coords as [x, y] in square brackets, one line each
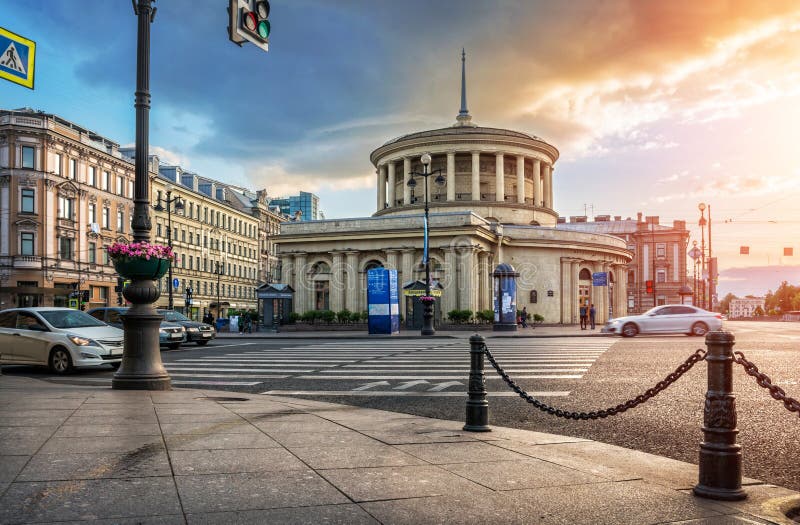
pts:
[505, 298]
[383, 301]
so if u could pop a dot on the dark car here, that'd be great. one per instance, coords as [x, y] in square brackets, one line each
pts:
[170, 335]
[200, 333]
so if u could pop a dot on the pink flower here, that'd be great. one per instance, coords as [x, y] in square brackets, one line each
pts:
[140, 250]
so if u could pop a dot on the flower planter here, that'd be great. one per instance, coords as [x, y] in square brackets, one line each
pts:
[140, 268]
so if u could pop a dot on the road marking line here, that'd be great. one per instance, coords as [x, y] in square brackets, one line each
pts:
[187, 369]
[404, 393]
[233, 376]
[329, 378]
[217, 383]
[445, 386]
[377, 370]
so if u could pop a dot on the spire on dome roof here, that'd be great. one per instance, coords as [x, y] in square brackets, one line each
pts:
[464, 118]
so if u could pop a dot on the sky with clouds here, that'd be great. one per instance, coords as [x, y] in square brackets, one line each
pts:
[654, 106]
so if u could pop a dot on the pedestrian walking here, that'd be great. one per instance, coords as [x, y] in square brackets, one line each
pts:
[524, 317]
[592, 313]
[582, 313]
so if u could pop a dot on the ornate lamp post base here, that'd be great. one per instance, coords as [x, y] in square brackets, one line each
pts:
[141, 367]
[427, 321]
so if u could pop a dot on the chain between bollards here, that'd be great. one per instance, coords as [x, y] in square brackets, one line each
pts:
[477, 405]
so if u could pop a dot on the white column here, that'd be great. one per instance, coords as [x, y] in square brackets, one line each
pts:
[407, 275]
[548, 187]
[476, 176]
[537, 182]
[301, 282]
[466, 281]
[499, 178]
[50, 232]
[406, 177]
[287, 269]
[392, 186]
[337, 282]
[5, 231]
[450, 283]
[520, 179]
[381, 187]
[485, 279]
[451, 176]
[573, 295]
[351, 270]
[566, 317]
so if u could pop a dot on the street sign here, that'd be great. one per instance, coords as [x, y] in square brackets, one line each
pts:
[17, 58]
[175, 282]
[600, 279]
[694, 253]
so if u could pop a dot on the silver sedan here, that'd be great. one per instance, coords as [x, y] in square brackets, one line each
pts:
[667, 319]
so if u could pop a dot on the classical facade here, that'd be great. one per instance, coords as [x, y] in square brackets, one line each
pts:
[745, 307]
[659, 255]
[65, 194]
[496, 205]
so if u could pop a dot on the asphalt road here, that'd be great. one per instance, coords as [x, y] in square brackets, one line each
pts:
[428, 378]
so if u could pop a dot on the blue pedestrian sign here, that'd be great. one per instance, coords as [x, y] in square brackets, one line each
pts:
[175, 282]
[17, 58]
[599, 279]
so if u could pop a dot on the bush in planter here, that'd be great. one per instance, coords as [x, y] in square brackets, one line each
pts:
[537, 319]
[310, 316]
[293, 317]
[459, 316]
[328, 316]
[355, 317]
[485, 316]
[343, 316]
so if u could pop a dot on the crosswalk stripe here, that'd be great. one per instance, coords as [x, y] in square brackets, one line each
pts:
[185, 369]
[403, 393]
[453, 377]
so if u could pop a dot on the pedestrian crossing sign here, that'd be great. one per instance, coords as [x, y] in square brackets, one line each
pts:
[17, 58]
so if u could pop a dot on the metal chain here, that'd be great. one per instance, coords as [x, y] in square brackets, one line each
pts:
[763, 380]
[698, 355]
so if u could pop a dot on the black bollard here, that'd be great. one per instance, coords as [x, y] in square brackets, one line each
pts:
[477, 406]
[720, 457]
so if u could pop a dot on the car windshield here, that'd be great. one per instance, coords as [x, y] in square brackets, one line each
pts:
[172, 316]
[70, 319]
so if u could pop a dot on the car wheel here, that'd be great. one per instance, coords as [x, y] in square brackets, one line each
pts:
[202, 343]
[629, 330]
[60, 362]
[699, 329]
[174, 346]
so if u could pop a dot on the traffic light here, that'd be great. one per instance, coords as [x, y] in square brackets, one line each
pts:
[649, 285]
[249, 21]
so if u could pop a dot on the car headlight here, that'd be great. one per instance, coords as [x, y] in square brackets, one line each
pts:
[183, 329]
[82, 341]
[86, 355]
[614, 321]
[192, 329]
[161, 331]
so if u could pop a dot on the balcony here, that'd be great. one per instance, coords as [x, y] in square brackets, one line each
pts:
[27, 261]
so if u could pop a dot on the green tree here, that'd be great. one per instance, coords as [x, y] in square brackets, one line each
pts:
[758, 311]
[725, 303]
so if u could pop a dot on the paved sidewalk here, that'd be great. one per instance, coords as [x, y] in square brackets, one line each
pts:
[539, 331]
[70, 454]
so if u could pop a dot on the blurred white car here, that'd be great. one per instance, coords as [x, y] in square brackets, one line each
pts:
[60, 338]
[667, 319]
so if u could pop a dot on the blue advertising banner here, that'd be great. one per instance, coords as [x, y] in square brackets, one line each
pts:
[600, 279]
[383, 304]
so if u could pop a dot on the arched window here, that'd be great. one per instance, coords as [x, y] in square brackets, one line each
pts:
[534, 297]
[585, 275]
[371, 265]
[320, 268]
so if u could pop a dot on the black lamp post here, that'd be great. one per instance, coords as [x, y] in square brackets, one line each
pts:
[169, 201]
[427, 314]
[141, 367]
[702, 224]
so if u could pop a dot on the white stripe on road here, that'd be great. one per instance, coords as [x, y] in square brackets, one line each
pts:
[232, 376]
[329, 378]
[187, 369]
[405, 393]
[217, 383]
[200, 362]
[376, 370]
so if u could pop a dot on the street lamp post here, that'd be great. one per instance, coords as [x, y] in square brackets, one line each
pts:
[427, 313]
[160, 208]
[653, 256]
[219, 271]
[141, 367]
[702, 224]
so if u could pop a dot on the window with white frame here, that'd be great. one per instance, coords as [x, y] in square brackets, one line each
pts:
[73, 169]
[28, 200]
[92, 213]
[120, 185]
[65, 207]
[57, 167]
[661, 250]
[26, 243]
[661, 276]
[120, 221]
[66, 248]
[92, 253]
[92, 177]
[105, 181]
[106, 218]
[28, 157]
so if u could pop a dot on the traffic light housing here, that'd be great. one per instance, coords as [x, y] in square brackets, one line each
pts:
[649, 285]
[249, 22]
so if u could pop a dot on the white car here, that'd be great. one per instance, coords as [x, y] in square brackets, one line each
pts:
[60, 338]
[667, 319]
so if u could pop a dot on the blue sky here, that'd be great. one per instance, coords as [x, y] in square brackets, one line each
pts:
[655, 106]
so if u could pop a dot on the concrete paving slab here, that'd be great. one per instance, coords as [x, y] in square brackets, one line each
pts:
[514, 475]
[78, 431]
[209, 427]
[200, 407]
[347, 514]
[142, 462]
[43, 421]
[37, 413]
[401, 438]
[287, 427]
[765, 501]
[10, 466]
[219, 441]
[32, 502]
[309, 438]
[355, 457]
[111, 420]
[236, 492]
[439, 453]
[388, 424]
[200, 418]
[23, 440]
[292, 416]
[220, 461]
[58, 445]
[726, 520]
[370, 484]
[177, 519]
[115, 410]
[513, 435]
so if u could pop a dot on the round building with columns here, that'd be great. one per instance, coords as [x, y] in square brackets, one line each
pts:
[495, 206]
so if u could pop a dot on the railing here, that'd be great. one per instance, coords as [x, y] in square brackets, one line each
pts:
[720, 472]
